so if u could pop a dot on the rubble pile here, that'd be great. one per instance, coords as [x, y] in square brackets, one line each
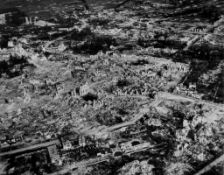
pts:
[132, 87]
[14, 66]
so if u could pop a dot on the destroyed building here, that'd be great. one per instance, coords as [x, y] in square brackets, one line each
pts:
[111, 87]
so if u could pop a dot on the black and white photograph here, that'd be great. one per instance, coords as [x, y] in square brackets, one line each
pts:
[111, 87]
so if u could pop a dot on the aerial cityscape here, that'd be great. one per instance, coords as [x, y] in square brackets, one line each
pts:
[119, 87]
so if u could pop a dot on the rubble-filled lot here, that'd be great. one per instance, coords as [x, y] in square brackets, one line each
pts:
[140, 86]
